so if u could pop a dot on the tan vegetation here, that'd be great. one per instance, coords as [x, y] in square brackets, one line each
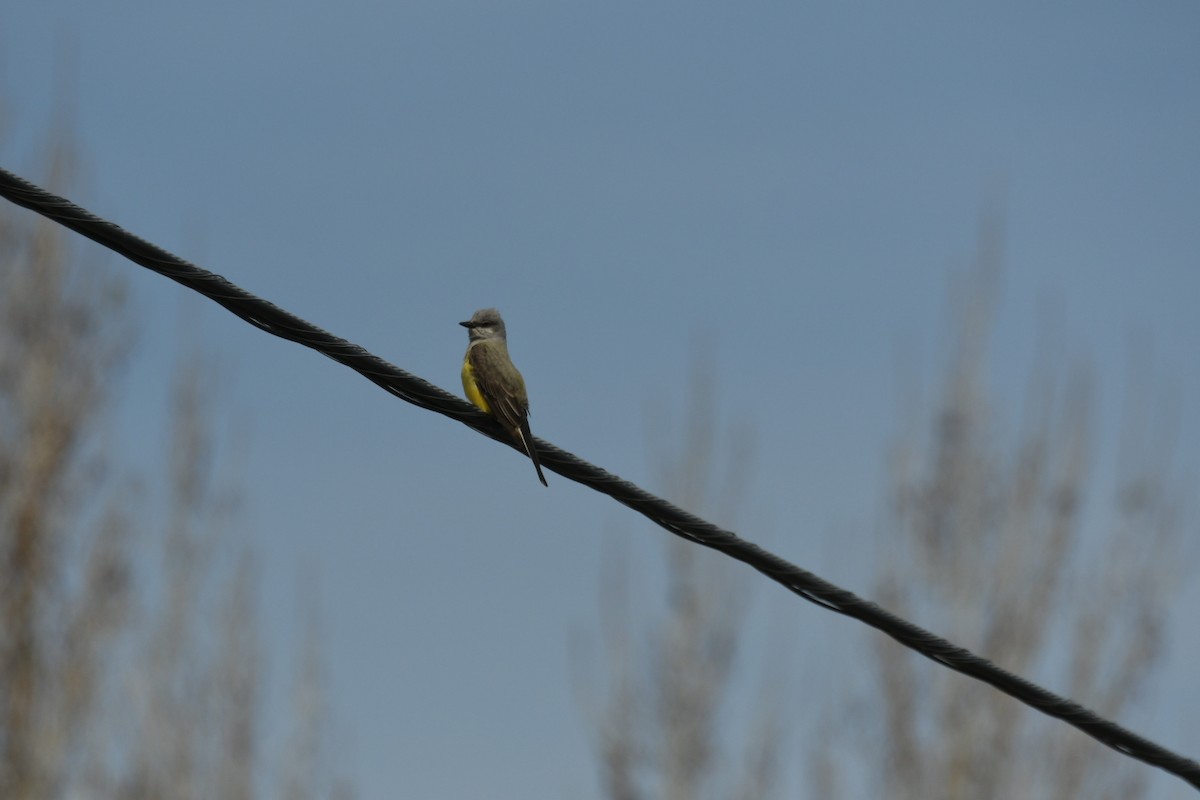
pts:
[1012, 541]
[1014, 545]
[660, 720]
[129, 652]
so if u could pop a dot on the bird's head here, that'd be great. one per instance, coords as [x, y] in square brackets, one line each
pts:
[485, 324]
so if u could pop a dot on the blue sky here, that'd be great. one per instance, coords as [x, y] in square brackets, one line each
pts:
[791, 182]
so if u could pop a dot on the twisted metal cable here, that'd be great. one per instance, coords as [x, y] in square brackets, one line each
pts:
[276, 321]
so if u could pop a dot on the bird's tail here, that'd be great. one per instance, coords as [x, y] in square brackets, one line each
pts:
[526, 439]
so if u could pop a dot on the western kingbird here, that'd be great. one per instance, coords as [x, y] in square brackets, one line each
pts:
[492, 382]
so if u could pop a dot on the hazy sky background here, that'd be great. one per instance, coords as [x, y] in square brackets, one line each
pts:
[790, 183]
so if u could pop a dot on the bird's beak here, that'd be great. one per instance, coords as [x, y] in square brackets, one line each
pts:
[465, 324]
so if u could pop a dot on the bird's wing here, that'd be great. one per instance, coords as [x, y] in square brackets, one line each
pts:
[501, 384]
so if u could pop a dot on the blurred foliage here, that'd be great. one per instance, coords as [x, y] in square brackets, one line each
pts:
[129, 648]
[1008, 543]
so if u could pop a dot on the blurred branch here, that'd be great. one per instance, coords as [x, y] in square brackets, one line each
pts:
[990, 537]
[660, 729]
[115, 681]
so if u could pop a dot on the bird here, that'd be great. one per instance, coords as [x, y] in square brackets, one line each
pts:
[494, 384]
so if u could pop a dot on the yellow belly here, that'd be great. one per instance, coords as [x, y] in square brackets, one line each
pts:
[472, 388]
